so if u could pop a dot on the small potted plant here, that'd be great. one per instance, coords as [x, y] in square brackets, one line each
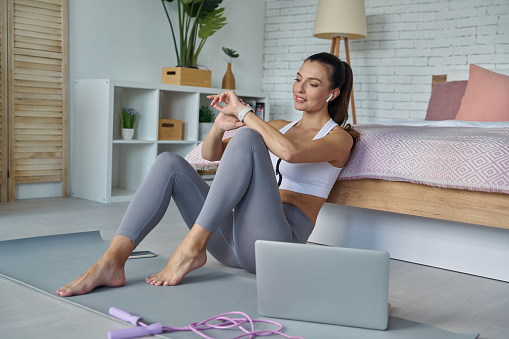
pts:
[206, 120]
[229, 79]
[127, 120]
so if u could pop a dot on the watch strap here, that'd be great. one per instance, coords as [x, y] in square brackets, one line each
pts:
[243, 112]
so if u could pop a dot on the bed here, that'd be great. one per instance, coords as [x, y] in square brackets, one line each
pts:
[440, 184]
[479, 204]
[483, 199]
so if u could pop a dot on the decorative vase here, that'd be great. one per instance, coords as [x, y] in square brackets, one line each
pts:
[229, 79]
[127, 133]
[203, 129]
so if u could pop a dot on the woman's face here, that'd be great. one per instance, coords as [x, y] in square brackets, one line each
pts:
[311, 87]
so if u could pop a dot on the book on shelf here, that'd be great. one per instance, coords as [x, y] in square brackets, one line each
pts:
[260, 110]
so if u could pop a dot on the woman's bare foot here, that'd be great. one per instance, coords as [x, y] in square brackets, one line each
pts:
[177, 268]
[190, 255]
[102, 273]
[107, 271]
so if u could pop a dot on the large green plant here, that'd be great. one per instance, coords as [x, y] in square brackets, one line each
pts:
[197, 19]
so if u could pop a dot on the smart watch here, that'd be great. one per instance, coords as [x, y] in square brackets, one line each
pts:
[244, 111]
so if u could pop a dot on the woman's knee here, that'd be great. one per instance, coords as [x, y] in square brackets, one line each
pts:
[169, 160]
[248, 136]
[168, 156]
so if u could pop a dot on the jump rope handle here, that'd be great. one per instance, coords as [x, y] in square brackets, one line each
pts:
[125, 316]
[138, 331]
[135, 332]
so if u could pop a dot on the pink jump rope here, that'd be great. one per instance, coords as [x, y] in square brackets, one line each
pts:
[142, 329]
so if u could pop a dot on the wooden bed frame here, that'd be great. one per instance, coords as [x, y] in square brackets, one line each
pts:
[481, 208]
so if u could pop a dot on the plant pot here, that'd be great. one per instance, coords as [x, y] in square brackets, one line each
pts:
[203, 129]
[229, 79]
[127, 133]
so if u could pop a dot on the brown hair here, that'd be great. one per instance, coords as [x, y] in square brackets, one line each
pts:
[340, 76]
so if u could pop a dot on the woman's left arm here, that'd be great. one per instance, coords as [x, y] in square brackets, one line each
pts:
[275, 140]
[334, 148]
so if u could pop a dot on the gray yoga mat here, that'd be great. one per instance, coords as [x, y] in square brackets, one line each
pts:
[47, 263]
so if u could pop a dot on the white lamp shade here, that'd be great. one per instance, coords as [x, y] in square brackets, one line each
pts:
[344, 18]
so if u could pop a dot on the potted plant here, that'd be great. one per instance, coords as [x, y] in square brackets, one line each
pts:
[206, 120]
[229, 79]
[197, 21]
[127, 120]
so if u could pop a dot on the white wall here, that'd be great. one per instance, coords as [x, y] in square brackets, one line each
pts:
[408, 41]
[131, 40]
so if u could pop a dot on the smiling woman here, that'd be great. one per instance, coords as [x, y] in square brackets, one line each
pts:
[309, 91]
[224, 218]
[340, 82]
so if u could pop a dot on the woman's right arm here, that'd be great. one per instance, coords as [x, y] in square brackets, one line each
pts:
[214, 145]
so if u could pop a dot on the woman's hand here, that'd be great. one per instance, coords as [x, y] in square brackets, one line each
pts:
[233, 105]
[227, 122]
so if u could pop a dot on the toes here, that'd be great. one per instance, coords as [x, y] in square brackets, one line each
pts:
[157, 281]
[63, 293]
[151, 280]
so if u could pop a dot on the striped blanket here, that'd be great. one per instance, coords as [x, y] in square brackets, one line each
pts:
[469, 158]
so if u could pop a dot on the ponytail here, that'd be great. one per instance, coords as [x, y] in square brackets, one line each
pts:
[340, 76]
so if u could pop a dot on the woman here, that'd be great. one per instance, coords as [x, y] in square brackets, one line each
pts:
[307, 156]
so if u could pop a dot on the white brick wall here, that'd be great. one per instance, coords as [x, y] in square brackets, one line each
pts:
[408, 41]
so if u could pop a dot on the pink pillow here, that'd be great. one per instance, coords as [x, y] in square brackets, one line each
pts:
[486, 97]
[195, 159]
[445, 100]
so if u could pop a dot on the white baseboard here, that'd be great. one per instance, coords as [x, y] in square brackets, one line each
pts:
[39, 190]
[466, 248]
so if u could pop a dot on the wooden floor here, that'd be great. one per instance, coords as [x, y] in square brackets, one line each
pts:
[448, 300]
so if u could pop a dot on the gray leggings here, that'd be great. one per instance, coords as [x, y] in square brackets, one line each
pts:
[241, 206]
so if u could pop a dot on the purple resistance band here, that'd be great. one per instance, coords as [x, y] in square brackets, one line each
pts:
[142, 329]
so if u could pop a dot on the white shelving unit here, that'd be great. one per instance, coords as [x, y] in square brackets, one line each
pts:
[106, 168]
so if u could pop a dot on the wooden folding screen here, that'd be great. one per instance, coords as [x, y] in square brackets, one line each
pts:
[36, 92]
[3, 102]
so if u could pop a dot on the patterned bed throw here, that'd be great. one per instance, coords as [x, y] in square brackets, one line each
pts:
[452, 157]
[198, 163]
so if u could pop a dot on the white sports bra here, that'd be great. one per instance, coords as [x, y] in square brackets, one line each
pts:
[316, 178]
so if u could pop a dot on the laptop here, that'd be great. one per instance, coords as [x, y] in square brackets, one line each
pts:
[331, 285]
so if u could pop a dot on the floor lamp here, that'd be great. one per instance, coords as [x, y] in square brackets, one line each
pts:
[341, 19]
